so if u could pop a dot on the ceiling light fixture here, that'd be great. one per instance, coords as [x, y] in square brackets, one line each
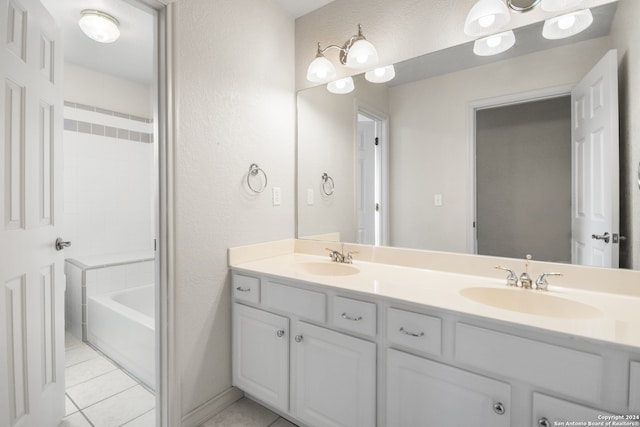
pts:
[486, 17]
[557, 5]
[381, 74]
[357, 52]
[494, 44]
[567, 25]
[99, 26]
[341, 86]
[522, 6]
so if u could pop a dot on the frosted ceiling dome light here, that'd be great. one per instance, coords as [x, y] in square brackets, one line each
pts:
[494, 44]
[381, 74]
[341, 86]
[99, 26]
[485, 17]
[557, 5]
[567, 25]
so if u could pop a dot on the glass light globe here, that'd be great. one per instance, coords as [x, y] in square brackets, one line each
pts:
[568, 25]
[362, 54]
[381, 74]
[321, 70]
[341, 86]
[486, 17]
[494, 44]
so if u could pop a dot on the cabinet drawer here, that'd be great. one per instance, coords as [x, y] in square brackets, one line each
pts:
[549, 411]
[301, 302]
[416, 331]
[246, 288]
[634, 387]
[354, 315]
[563, 370]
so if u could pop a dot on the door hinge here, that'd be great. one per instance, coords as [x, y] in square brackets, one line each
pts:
[377, 207]
[155, 245]
[376, 141]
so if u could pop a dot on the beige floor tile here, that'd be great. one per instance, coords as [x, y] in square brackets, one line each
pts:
[75, 420]
[121, 408]
[84, 371]
[146, 420]
[281, 422]
[79, 353]
[69, 407]
[100, 388]
[243, 413]
[70, 341]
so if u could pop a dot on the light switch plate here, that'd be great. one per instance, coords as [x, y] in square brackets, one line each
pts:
[437, 199]
[309, 196]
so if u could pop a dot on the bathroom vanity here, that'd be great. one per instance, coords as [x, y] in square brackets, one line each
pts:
[377, 343]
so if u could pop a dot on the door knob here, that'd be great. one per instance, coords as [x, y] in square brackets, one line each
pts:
[605, 237]
[61, 244]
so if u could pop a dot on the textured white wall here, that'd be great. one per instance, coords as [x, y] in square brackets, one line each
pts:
[400, 29]
[89, 87]
[429, 147]
[625, 36]
[236, 106]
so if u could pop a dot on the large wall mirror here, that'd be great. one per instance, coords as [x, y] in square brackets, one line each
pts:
[469, 154]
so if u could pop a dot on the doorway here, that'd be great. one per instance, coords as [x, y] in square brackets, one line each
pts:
[523, 180]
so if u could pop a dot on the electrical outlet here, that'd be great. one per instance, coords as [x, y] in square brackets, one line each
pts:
[277, 196]
[437, 199]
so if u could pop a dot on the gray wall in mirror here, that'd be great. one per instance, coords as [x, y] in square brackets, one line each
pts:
[429, 151]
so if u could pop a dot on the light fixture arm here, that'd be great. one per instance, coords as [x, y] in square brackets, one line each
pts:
[344, 49]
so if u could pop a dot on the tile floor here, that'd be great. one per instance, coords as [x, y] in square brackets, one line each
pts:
[99, 394]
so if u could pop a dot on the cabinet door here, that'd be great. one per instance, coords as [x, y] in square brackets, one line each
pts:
[425, 393]
[550, 411]
[261, 355]
[333, 376]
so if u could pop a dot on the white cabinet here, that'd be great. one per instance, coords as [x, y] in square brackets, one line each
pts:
[261, 355]
[550, 411]
[421, 392]
[333, 376]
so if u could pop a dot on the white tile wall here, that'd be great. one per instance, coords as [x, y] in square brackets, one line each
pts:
[108, 188]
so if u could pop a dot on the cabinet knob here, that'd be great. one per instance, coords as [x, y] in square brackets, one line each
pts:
[544, 422]
[498, 408]
[298, 338]
[280, 333]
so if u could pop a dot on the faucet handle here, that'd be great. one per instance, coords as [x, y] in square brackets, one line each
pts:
[348, 258]
[512, 279]
[541, 281]
[333, 254]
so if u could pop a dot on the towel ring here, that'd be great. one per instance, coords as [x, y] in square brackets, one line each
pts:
[254, 170]
[328, 186]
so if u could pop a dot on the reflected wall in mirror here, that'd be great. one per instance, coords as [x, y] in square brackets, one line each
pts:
[425, 166]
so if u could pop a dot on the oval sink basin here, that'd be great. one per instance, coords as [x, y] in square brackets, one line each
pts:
[530, 302]
[327, 268]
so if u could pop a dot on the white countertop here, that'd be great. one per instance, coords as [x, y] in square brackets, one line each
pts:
[617, 319]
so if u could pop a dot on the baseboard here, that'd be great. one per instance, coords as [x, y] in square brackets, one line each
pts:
[211, 407]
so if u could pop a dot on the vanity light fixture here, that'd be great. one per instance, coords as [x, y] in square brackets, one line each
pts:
[357, 52]
[494, 44]
[485, 17]
[567, 25]
[341, 86]
[557, 5]
[99, 26]
[381, 74]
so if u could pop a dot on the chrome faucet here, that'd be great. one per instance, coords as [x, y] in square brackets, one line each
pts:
[338, 256]
[525, 280]
[541, 282]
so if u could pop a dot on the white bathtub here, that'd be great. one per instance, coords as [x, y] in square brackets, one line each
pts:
[121, 324]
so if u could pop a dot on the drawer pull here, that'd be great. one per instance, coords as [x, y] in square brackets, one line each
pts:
[298, 338]
[411, 334]
[347, 317]
[498, 408]
[241, 289]
[280, 333]
[544, 422]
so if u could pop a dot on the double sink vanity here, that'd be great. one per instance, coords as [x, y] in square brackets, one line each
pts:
[415, 338]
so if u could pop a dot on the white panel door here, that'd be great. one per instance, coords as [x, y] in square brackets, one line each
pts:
[422, 393]
[595, 206]
[366, 181]
[31, 270]
[261, 355]
[333, 378]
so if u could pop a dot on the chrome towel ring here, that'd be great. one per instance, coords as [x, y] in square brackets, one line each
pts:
[254, 170]
[328, 186]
